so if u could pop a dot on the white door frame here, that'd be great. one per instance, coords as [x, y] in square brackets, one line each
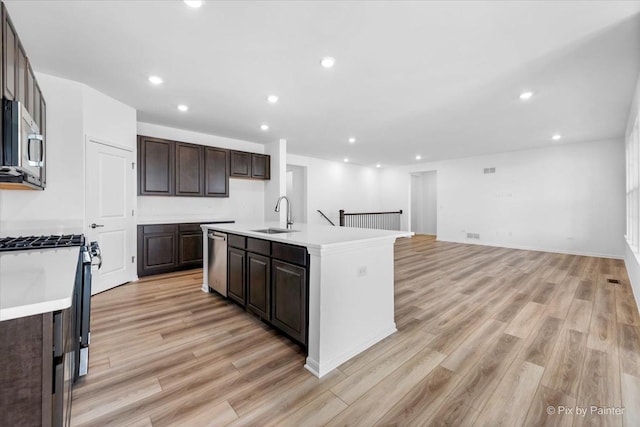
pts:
[132, 220]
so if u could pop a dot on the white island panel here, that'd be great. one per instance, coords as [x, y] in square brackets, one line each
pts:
[351, 302]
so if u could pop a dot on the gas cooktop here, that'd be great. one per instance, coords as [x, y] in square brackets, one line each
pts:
[40, 242]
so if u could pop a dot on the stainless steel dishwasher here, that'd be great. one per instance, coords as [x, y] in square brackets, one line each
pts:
[217, 262]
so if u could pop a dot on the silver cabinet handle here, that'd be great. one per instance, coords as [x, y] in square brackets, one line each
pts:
[94, 225]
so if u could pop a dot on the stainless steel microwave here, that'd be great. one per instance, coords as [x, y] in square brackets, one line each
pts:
[23, 146]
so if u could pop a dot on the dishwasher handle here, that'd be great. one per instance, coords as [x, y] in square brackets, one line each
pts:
[215, 236]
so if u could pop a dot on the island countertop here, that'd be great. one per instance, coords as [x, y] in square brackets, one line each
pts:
[36, 281]
[309, 235]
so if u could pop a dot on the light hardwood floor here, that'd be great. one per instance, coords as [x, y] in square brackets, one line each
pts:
[486, 337]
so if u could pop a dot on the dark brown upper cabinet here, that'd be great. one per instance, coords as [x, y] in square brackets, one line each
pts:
[19, 84]
[250, 165]
[29, 95]
[21, 76]
[260, 166]
[240, 164]
[189, 169]
[10, 57]
[156, 167]
[216, 172]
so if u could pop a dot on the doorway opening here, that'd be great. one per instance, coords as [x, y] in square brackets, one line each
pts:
[424, 203]
[297, 192]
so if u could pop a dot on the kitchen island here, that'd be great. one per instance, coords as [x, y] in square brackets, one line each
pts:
[350, 285]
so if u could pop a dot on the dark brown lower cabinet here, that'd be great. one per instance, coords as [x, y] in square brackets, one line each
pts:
[289, 299]
[236, 275]
[270, 279]
[164, 248]
[36, 372]
[189, 245]
[157, 249]
[258, 284]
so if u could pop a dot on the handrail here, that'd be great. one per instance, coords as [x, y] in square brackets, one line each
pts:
[326, 217]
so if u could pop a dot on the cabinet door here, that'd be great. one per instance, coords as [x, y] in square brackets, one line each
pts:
[189, 169]
[260, 166]
[21, 75]
[240, 164]
[10, 57]
[258, 288]
[159, 253]
[289, 299]
[190, 249]
[37, 106]
[29, 93]
[155, 172]
[236, 275]
[216, 175]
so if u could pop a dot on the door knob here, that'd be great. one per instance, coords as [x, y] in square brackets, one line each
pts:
[94, 225]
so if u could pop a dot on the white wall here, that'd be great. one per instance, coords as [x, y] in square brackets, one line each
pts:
[246, 197]
[332, 186]
[107, 119]
[73, 111]
[630, 259]
[565, 198]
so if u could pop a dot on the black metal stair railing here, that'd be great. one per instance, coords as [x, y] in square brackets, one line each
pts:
[377, 220]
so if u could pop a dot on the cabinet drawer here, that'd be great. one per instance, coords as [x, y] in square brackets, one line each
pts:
[237, 241]
[293, 254]
[259, 246]
[160, 228]
[190, 227]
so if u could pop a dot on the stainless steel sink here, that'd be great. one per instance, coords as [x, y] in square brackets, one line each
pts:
[274, 231]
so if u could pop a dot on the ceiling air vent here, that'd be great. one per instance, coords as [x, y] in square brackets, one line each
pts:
[489, 170]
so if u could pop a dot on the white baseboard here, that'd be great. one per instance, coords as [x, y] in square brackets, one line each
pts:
[533, 248]
[320, 370]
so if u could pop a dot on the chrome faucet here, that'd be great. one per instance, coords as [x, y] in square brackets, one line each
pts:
[289, 220]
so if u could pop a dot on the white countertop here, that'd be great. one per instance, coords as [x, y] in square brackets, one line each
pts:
[36, 281]
[181, 220]
[309, 235]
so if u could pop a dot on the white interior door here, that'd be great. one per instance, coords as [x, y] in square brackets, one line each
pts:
[109, 212]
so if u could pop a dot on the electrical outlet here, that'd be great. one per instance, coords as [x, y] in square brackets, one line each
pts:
[362, 271]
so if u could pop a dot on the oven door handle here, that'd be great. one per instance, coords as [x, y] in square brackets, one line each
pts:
[95, 251]
[99, 256]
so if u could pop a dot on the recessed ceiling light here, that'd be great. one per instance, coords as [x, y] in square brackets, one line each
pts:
[352, 140]
[378, 165]
[264, 126]
[556, 137]
[346, 160]
[418, 157]
[272, 99]
[155, 80]
[526, 95]
[328, 62]
[183, 107]
[193, 3]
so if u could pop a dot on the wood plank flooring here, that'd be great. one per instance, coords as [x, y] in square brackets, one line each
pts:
[486, 337]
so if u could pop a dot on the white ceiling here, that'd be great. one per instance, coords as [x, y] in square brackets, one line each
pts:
[440, 79]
